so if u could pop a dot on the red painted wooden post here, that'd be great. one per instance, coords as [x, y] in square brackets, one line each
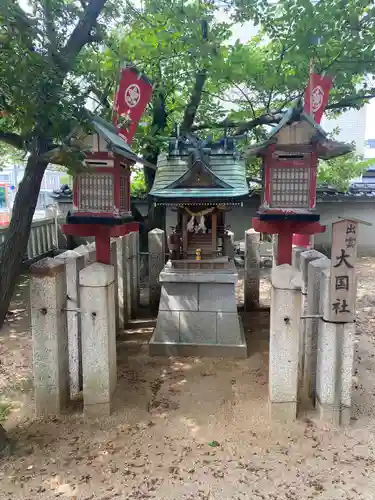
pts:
[284, 248]
[301, 240]
[103, 249]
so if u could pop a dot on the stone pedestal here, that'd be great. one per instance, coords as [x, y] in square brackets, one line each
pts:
[284, 342]
[74, 262]
[97, 294]
[50, 337]
[252, 270]
[198, 313]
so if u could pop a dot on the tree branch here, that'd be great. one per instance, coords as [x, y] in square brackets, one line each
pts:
[101, 96]
[12, 139]
[195, 99]
[346, 103]
[81, 33]
[241, 127]
[271, 119]
[50, 27]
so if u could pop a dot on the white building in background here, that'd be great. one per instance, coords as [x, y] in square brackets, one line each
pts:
[10, 177]
[351, 126]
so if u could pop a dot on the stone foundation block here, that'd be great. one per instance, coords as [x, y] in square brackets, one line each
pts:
[283, 412]
[50, 336]
[217, 297]
[284, 337]
[197, 327]
[97, 293]
[335, 369]
[198, 314]
[175, 297]
[167, 327]
[229, 329]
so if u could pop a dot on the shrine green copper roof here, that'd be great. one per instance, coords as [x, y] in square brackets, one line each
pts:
[226, 173]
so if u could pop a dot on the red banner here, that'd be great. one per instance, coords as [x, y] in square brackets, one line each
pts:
[317, 95]
[133, 94]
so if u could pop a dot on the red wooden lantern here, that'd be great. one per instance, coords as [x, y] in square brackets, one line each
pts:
[103, 189]
[290, 179]
[290, 158]
[101, 193]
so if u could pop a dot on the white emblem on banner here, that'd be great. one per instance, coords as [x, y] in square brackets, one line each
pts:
[317, 98]
[132, 95]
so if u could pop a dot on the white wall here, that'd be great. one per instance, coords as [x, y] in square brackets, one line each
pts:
[362, 210]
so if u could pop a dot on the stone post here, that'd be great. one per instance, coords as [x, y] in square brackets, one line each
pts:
[88, 252]
[133, 273]
[337, 329]
[114, 263]
[156, 263]
[228, 245]
[296, 256]
[274, 250]
[334, 371]
[284, 342]
[312, 263]
[92, 252]
[127, 280]
[97, 294]
[252, 270]
[74, 262]
[50, 336]
[138, 267]
[121, 269]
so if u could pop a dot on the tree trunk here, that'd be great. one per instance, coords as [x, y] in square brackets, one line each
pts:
[14, 247]
[4, 441]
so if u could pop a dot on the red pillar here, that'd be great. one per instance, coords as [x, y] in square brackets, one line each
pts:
[103, 249]
[301, 240]
[284, 248]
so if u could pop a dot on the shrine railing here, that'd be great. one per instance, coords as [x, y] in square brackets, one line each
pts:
[43, 238]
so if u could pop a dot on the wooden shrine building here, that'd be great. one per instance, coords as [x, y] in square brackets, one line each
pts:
[201, 181]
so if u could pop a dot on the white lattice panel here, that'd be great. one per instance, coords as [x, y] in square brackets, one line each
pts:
[96, 193]
[290, 187]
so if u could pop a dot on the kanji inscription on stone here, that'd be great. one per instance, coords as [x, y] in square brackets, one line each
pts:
[343, 288]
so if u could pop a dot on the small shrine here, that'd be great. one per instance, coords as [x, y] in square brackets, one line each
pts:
[101, 190]
[201, 181]
[290, 161]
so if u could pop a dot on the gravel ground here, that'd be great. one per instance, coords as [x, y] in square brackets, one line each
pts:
[189, 429]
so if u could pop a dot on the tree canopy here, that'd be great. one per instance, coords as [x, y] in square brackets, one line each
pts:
[205, 81]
